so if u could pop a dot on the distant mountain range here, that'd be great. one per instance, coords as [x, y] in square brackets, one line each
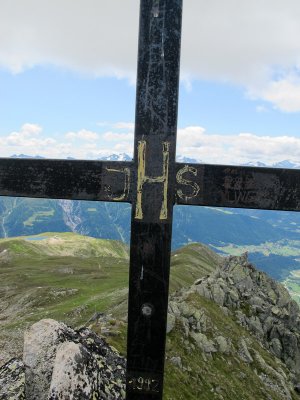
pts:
[280, 164]
[226, 230]
[179, 158]
[117, 157]
[219, 228]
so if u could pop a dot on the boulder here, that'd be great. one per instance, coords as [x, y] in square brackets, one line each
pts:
[205, 344]
[40, 344]
[223, 344]
[12, 380]
[63, 363]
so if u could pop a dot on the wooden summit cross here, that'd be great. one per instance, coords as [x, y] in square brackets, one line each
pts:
[153, 182]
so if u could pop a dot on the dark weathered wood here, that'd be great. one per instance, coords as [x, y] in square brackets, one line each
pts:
[66, 179]
[238, 187]
[152, 207]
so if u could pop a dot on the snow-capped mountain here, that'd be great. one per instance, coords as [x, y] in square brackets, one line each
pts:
[281, 164]
[287, 164]
[25, 156]
[255, 164]
[126, 157]
[116, 157]
[182, 159]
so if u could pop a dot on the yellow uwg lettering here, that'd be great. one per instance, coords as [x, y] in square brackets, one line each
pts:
[142, 178]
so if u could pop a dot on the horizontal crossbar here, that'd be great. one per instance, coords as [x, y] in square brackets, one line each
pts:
[196, 184]
[238, 187]
[65, 179]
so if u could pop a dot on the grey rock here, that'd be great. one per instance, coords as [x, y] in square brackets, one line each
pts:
[40, 343]
[276, 347]
[173, 308]
[202, 320]
[297, 388]
[74, 374]
[218, 294]
[204, 291]
[273, 379]
[268, 325]
[223, 344]
[256, 301]
[270, 383]
[185, 309]
[176, 361]
[233, 297]
[12, 380]
[62, 363]
[241, 318]
[272, 296]
[205, 344]
[255, 326]
[243, 351]
[81, 372]
[275, 310]
[259, 304]
[170, 322]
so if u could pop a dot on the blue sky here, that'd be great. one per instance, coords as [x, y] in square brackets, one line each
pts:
[68, 88]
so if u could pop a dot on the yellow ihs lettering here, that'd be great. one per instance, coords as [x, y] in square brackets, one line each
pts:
[195, 187]
[142, 178]
[126, 172]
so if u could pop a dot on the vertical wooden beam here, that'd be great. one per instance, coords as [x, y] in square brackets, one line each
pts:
[153, 195]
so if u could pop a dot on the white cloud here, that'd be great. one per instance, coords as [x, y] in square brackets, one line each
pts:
[31, 129]
[190, 136]
[31, 140]
[123, 125]
[27, 137]
[284, 94]
[193, 142]
[232, 41]
[236, 149]
[261, 108]
[82, 134]
[86, 36]
[114, 136]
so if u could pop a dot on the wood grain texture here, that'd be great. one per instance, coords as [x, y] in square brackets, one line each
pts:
[66, 179]
[238, 187]
[152, 205]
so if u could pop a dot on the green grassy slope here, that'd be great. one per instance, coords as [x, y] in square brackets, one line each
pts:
[271, 237]
[70, 278]
[52, 274]
[190, 263]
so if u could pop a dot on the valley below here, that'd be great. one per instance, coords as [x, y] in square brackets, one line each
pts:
[271, 238]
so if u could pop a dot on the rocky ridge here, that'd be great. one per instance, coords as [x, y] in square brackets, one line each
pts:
[234, 333]
[257, 303]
